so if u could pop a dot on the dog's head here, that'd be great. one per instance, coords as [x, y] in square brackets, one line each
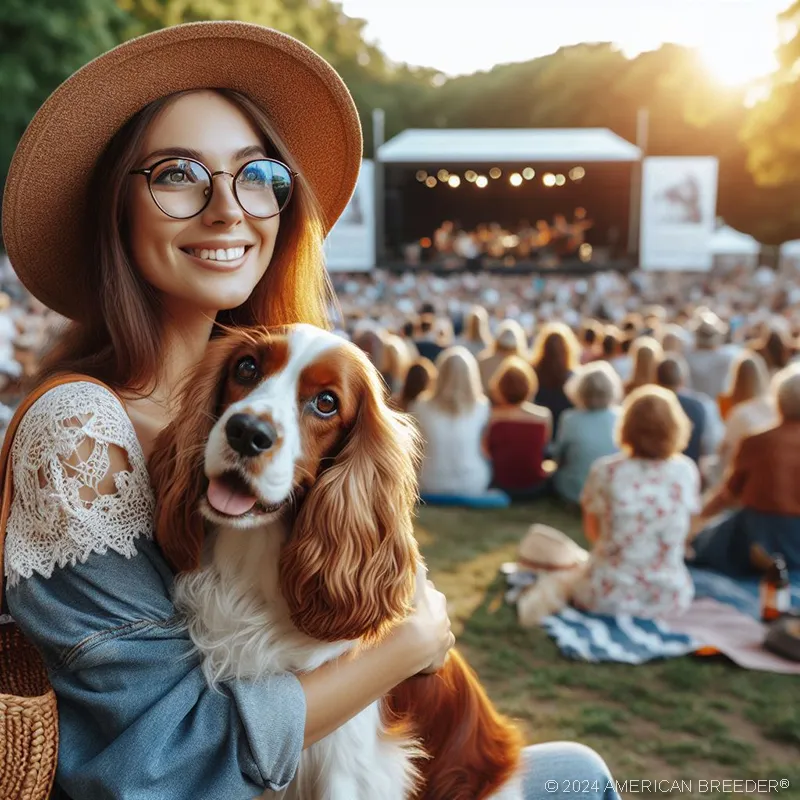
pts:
[293, 422]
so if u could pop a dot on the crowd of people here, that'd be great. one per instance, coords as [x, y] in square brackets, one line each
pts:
[665, 407]
[546, 244]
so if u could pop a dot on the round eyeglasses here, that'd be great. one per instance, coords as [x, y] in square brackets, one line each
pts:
[182, 187]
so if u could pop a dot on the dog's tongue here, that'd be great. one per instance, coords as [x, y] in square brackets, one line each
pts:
[225, 498]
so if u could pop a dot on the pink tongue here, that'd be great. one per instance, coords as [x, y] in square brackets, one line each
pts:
[226, 499]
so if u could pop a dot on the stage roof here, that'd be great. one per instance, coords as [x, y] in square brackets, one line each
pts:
[426, 146]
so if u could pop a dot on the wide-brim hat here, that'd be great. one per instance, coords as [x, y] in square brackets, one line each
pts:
[46, 193]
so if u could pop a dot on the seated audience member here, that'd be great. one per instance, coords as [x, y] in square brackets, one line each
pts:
[673, 339]
[645, 354]
[509, 341]
[775, 346]
[671, 374]
[476, 336]
[426, 341]
[556, 355]
[452, 419]
[748, 379]
[638, 507]
[591, 336]
[420, 378]
[710, 362]
[396, 362]
[763, 483]
[518, 432]
[752, 407]
[586, 432]
[611, 345]
[622, 361]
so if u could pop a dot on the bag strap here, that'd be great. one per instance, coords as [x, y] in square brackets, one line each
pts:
[6, 471]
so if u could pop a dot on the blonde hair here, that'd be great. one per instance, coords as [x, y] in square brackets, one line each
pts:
[653, 424]
[396, 358]
[510, 339]
[458, 384]
[646, 352]
[476, 326]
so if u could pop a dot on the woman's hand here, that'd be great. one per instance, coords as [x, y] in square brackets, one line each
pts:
[427, 629]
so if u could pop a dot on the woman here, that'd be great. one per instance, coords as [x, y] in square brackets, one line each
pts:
[509, 341]
[556, 355]
[645, 354]
[452, 420]
[519, 431]
[586, 432]
[420, 378]
[748, 379]
[148, 222]
[476, 336]
[637, 508]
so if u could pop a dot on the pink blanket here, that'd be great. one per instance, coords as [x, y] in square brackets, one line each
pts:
[734, 634]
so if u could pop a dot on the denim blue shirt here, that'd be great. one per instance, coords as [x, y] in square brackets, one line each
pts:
[137, 719]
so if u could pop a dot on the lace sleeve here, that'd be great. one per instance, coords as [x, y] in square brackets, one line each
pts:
[80, 483]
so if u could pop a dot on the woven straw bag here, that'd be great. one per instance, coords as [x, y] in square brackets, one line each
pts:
[28, 714]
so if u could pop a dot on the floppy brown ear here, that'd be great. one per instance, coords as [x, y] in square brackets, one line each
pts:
[176, 464]
[347, 571]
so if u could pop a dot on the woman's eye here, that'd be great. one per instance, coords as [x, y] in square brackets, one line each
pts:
[175, 176]
[325, 404]
[246, 370]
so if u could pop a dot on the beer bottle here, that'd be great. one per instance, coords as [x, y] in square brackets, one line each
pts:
[775, 592]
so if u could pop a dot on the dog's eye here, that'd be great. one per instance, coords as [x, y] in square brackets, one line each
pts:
[246, 370]
[325, 404]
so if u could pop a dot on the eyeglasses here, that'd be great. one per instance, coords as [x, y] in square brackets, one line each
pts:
[182, 187]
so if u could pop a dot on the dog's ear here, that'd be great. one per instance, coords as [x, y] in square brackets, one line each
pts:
[177, 463]
[347, 571]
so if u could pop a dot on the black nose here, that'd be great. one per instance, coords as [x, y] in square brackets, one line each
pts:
[249, 436]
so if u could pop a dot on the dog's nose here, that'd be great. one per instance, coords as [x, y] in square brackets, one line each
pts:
[250, 436]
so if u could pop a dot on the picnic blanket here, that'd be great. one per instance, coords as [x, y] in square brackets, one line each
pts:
[595, 637]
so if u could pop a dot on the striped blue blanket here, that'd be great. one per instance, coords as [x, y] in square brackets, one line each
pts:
[629, 640]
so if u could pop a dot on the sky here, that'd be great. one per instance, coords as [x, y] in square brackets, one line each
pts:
[737, 38]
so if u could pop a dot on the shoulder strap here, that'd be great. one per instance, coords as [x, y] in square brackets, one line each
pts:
[5, 455]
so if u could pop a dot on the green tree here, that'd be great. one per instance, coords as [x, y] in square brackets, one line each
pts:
[41, 44]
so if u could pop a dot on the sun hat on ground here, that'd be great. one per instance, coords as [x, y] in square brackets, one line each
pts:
[46, 194]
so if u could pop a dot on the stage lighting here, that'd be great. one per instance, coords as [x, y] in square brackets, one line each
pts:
[495, 173]
[421, 175]
[560, 180]
[425, 242]
[443, 175]
[471, 175]
[515, 179]
[481, 181]
[585, 252]
[430, 181]
[549, 179]
[454, 181]
[577, 173]
[529, 173]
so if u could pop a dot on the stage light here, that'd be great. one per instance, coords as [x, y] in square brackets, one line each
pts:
[549, 179]
[481, 181]
[560, 180]
[421, 175]
[515, 179]
[495, 173]
[430, 181]
[577, 173]
[454, 181]
[529, 173]
[585, 252]
[443, 175]
[425, 242]
[580, 212]
[510, 241]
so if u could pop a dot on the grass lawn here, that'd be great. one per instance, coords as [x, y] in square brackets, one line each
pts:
[689, 717]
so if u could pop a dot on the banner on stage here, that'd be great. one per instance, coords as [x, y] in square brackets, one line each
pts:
[679, 207]
[350, 246]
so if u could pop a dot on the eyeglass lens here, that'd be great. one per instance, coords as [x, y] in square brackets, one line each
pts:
[182, 187]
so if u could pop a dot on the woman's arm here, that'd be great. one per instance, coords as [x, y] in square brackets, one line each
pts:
[591, 526]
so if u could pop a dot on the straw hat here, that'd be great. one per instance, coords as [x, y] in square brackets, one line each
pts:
[43, 226]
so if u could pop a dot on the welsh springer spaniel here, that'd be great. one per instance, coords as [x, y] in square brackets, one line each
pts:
[285, 491]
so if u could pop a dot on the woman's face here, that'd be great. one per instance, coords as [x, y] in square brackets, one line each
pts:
[168, 252]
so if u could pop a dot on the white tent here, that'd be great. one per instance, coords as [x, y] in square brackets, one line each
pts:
[727, 241]
[418, 146]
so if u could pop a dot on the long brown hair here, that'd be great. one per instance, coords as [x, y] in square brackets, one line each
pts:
[120, 345]
[556, 354]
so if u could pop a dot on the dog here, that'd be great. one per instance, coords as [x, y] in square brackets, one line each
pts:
[285, 492]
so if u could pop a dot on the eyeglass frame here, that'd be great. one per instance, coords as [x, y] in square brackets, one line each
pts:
[148, 171]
